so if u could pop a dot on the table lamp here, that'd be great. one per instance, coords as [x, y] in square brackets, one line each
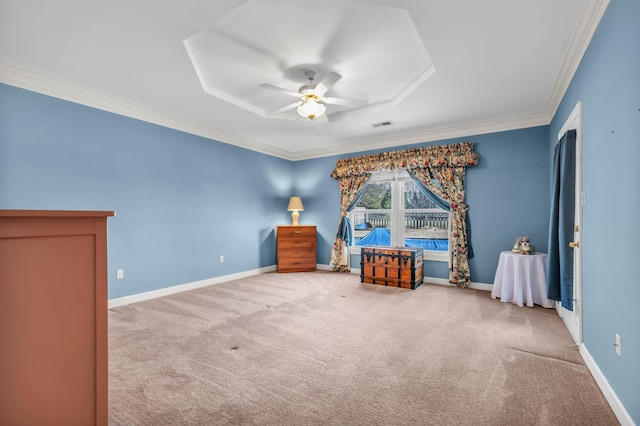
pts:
[295, 205]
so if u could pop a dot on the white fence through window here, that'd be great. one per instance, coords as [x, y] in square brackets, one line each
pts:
[414, 220]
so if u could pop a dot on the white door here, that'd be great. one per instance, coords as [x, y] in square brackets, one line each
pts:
[573, 319]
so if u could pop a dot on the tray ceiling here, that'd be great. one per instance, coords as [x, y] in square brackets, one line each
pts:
[433, 70]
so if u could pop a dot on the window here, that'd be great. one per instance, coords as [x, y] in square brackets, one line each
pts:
[393, 211]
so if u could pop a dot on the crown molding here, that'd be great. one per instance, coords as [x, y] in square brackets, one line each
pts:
[590, 18]
[46, 85]
[442, 133]
[588, 22]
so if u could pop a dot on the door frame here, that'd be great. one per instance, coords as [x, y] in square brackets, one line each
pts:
[573, 319]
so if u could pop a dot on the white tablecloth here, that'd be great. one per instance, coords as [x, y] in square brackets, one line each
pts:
[522, 279]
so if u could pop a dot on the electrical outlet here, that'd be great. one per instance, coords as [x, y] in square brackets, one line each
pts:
[221, 259]
[119, 274]
[618, 345]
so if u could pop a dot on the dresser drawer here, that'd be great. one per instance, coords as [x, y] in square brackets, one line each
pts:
[296, 232]
[296, 243]
[297, 265]
[297, 252]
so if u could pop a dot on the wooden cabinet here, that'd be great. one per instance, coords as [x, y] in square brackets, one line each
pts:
[53, 318]
[296, 248]
[392, 266]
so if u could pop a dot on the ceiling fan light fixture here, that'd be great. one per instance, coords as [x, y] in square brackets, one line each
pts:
[311, 108]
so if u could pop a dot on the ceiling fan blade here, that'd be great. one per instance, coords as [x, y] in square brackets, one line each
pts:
[344, 101]
[286, 108]
[280, 89]
[327, 82]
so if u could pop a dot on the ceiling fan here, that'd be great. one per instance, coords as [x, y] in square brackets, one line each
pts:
[312, 99]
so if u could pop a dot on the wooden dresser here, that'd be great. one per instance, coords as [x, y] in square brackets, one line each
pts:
[296, 248]
[392, 266]
[53, 318]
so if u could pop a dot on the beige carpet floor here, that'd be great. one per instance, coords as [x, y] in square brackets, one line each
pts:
[324, 349]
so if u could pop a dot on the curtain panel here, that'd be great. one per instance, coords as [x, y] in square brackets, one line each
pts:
[350, 190]
[451, 181]
[561, 222]
[444, 164]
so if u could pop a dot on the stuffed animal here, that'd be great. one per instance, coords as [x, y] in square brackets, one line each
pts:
[526, 247]
[516, 245]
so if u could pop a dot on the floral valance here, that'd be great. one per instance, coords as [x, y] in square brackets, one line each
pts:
[453, 155]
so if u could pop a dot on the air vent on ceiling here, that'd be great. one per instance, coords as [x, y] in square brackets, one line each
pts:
[382, 124]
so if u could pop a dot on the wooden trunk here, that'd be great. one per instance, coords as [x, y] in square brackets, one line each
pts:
[392, 266]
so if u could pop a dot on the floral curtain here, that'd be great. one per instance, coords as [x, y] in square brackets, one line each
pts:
[350, 189]
[443, 163]
[454, 155]
[451, 181]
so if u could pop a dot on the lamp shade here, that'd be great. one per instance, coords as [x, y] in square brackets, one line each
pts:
[295, 203]
[311, 109]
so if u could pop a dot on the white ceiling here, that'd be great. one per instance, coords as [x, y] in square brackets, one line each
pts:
[499, 64]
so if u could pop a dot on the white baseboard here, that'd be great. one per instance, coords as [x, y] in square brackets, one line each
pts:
[616, 405]
[443, 281]
[126, 300]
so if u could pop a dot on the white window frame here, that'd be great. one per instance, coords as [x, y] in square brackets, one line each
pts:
[397, 211]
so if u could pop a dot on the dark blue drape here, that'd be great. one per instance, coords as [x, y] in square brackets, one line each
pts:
[560, 256]
[445, 206]
[344, 230]
[426, 191]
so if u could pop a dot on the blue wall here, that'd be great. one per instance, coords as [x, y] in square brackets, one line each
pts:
[508, 195]
[181, 203]
[180, 200]
[321, 197]
[608, 82]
